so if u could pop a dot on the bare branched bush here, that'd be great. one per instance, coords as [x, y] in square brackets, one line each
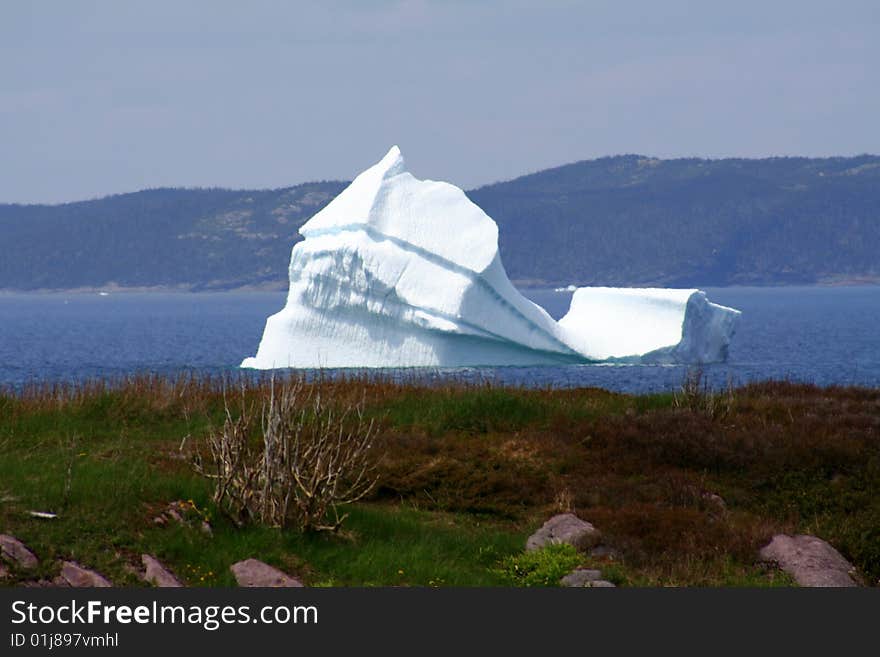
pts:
[303, 460]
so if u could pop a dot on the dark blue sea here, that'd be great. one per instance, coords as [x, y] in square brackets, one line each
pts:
[822, 335]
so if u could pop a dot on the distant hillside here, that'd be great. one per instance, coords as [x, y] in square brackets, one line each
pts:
[633, 220]
[626, 220]
[193, 238]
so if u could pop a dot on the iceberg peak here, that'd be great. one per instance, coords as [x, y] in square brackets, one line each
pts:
[393, 163]
[389, 202]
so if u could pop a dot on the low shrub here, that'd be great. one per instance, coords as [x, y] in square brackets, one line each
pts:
[544, 567]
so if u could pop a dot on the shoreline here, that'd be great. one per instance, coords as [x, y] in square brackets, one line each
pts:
[145, 289]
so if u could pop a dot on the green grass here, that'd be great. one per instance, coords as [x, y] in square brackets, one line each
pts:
[380, 546]
[466, 474]
[110, 464]
[106, 523]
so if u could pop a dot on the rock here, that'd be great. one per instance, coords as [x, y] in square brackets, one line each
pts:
[565, 528]
[252, 572]
[160, 521]
[810, 560]
[205, 527]
[581, 577]
[72, 574]
[585, 578]
[157, 575]
[16, 552]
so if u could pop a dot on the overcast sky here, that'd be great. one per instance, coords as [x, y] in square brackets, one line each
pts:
[107, 97]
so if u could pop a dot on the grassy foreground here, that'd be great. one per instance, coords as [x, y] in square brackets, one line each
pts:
[684, 487]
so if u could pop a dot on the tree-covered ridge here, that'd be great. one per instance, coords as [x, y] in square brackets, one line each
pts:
[624, 220]
[194, 238]
[633, 220]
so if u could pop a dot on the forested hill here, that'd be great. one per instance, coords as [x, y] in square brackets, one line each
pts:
[188, 238]
[625, 220]
[634, 220]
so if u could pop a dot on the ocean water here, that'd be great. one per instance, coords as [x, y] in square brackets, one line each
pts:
[822, 335]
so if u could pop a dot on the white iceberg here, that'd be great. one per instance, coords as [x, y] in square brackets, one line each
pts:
[401, 272]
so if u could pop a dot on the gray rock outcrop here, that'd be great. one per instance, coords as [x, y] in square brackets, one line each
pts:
[809, 560]
[16, 552]
[157, 575]
[72, 574]
[565, 528]
[581, 577]
[252, 572]
[585, 578]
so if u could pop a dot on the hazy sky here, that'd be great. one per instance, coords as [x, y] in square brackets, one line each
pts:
[107, 97]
